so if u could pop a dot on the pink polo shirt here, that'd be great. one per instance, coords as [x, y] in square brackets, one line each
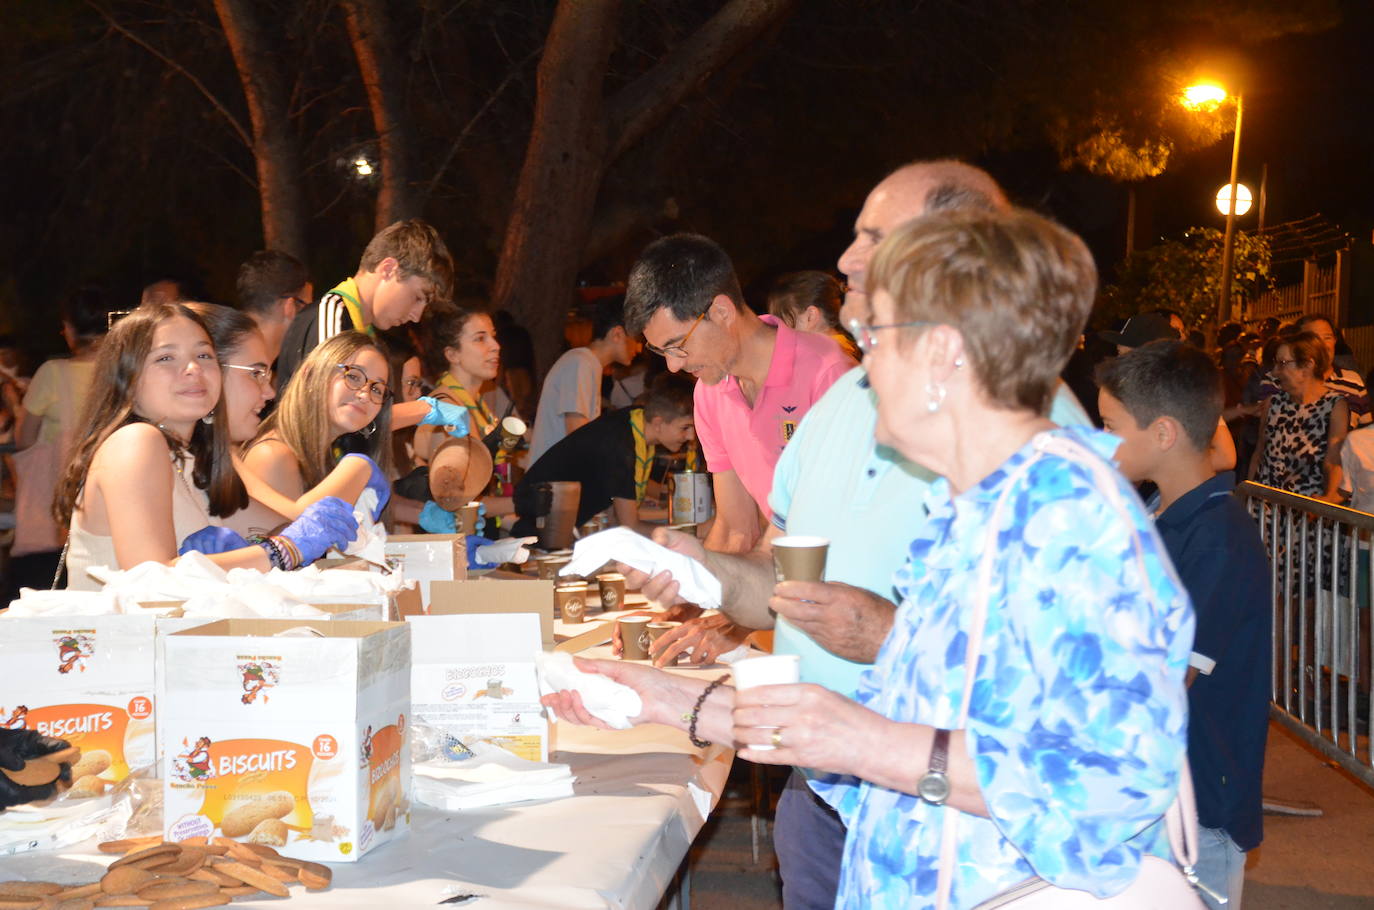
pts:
[748, 440]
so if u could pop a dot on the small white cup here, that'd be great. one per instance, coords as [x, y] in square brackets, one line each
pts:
[773, 670]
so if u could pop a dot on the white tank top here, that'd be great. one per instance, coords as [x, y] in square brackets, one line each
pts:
[190, 513]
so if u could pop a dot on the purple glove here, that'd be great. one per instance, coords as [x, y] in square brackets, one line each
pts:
[324, 524]
[212, 539]
[377, 482]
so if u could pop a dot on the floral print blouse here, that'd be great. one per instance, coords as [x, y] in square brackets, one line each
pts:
[1078, 718]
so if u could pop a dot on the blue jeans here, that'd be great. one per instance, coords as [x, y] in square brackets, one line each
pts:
[808, 836]
[1220, 866]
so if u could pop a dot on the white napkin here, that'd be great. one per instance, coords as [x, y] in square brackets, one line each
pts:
[32, 602]
[613, 702]
[695, 583]
[491, 776]
[370, 544]
[508, 549]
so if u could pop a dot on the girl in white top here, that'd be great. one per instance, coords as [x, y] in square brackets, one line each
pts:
[152, 465]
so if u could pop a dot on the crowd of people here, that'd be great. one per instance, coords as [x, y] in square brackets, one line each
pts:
[1030, 627]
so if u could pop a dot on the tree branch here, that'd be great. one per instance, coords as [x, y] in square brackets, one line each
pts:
[636, 108]
[472, 122]
[200, 86]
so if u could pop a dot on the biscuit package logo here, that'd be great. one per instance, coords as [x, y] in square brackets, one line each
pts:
[251, 789]
[259, 675]
[74, 648]
[381, 757]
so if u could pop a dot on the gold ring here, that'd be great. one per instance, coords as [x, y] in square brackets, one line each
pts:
[777, 738]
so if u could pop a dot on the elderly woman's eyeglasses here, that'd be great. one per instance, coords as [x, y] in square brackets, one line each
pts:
[867, 341]
[680, 348]
[261, 375]
[355, 377]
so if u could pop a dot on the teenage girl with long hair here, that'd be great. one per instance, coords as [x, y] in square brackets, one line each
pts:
[152, 465]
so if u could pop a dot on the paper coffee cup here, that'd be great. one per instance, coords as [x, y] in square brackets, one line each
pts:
[634, 637]
[799, 558]
[467, 518]
[612, 587]
[773, 670]
[571, 600]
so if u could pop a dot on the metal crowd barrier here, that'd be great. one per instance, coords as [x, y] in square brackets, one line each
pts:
[1320, 564]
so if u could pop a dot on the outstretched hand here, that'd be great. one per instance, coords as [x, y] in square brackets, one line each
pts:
[663, 694]
[663, 588]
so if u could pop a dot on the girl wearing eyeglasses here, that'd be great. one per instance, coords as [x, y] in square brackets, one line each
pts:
[335, 405]
[151, 467]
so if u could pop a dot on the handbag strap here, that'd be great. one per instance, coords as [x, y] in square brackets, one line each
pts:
[1181, 817]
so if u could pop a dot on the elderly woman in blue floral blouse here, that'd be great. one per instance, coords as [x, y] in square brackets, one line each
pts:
[1076, 728]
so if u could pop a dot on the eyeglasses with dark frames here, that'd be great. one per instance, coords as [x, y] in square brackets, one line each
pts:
[356, 378]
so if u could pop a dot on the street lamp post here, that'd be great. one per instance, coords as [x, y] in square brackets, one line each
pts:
[1208, 96]
[1228, 246]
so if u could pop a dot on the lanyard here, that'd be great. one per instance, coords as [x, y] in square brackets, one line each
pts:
[348, 290]
[477, 408]
[644, 453]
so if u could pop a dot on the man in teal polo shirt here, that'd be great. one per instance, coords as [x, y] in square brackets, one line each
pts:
[834, 481]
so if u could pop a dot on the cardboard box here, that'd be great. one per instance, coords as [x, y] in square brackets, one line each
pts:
[426, 558]
[474, 677]
[85, 679]
[485, 595]
[295, 741]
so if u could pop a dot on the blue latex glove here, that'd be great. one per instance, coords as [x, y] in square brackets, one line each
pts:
[481, 517]
[376, 482]
[446, 414]
[212, 539]
[324, 524]
[436, 520]
[473, 543]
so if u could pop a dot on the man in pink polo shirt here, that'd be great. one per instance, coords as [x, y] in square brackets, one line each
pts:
[756, 378]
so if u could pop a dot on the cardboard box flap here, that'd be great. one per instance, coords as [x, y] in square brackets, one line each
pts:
[475, 638]
[486, 595]
[269, 628]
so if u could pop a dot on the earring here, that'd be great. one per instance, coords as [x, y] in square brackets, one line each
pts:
[208, 419]
[958, 363]
[369, 429]
[935, 396]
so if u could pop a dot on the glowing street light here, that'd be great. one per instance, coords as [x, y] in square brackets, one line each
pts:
[1244, 198]
[362, 167]
[1206, 96]
[1203, 96]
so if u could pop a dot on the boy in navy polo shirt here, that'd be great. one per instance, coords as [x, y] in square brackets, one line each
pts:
[1163, 399]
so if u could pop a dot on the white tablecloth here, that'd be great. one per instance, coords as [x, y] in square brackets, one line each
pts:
[641, 797]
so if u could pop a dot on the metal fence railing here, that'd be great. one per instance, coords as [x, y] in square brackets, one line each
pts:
[1320, 564]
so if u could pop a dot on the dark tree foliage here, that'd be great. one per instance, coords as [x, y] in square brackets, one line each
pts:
[129, 151]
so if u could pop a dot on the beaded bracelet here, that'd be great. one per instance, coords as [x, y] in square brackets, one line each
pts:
[274, 553]
[691, 717]
[291, 554]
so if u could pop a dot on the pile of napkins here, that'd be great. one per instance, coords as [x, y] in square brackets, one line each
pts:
[205, 589]
[479, 774]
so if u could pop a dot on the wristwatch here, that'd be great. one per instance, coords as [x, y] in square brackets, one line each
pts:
[933, 787]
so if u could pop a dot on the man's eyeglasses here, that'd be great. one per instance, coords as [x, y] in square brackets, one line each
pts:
[679, 349]
[867, 341]
[355, 377]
